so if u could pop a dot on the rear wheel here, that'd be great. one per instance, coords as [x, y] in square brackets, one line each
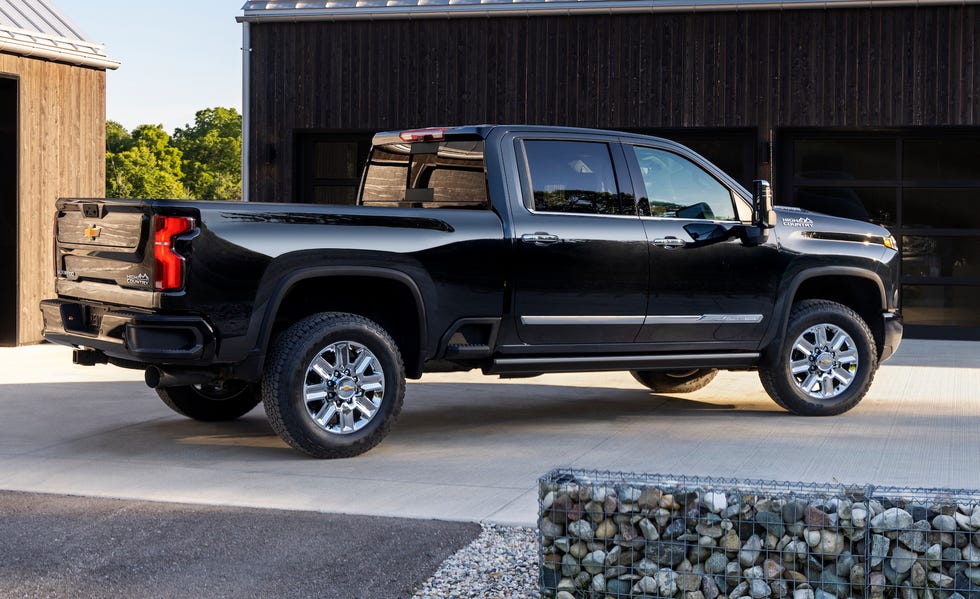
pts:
[212, 402]
[675, 381]
[334, 385]
[826, 362]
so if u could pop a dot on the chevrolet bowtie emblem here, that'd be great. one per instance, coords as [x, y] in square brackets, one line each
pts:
[93, 232]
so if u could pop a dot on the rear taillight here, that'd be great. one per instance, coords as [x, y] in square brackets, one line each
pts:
[168, 271]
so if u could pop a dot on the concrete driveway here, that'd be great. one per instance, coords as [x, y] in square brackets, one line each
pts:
[469, 447]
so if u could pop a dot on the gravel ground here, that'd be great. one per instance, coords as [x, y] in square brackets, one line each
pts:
[502, 563]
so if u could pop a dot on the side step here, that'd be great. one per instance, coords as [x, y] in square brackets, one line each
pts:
[604, 363]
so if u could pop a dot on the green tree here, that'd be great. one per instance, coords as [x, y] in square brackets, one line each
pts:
[212, 154]
[143, 164]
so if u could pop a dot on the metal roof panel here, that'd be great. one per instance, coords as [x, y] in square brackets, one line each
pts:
[36, 28]
[292, 10]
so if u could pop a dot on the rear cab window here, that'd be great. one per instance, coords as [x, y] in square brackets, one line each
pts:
[446, 174]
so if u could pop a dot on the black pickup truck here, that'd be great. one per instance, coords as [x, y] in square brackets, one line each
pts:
[518, 250]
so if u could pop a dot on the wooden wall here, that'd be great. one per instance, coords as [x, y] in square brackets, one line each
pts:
[61, 154]
[840, 68]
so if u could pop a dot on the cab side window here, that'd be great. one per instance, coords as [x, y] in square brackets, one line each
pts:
[573, 176]
[679, 188]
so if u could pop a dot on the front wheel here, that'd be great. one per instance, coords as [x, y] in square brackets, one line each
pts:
[826, 361]
[675, 381]
[334, 384]
[212, 402]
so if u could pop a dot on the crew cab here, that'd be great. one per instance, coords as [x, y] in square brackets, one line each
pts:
[518, 250]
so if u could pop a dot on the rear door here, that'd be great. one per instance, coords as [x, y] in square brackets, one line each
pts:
[581, 272]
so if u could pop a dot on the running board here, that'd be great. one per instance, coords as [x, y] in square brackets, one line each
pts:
[604, 363]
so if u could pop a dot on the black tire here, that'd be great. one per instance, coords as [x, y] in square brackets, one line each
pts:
[212, 403]
[843, 375]
[679, 381]
[293, 370]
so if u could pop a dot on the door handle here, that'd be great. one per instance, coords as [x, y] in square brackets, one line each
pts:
[539, 238]
[669, 243]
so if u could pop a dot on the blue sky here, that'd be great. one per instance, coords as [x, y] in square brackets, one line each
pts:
[178, 56]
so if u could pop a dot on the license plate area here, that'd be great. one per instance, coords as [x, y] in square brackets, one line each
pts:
[79, 318]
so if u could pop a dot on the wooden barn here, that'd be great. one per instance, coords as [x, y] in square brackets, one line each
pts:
[52, 144]
[869, 107]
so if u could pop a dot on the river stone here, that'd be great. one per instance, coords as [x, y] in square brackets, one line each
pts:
[564, 595]
[750, 552]
[598, 584]
[753, 573]
[606, 529]
[583, 579]
[845, 561]
[594, 562]
[650, 498]
[686, 498]
[578, 550]
[715, 564]
[771, 522]
[730, 543]
[647, 584]
[566, 584]
[626, 532]
[944, 523]
[952, 554]
[661, 517]
[709, 588]
[917, 537]
[962, 521]
[794, 576]
[569, 566]
[791, 512]
[973, 574]
[857, 576]
[609, 505]
[971, 555]
[815, 517]
[812, 537]
[892, 519]
[859, 515]
[833, 584]
[715, 501]
[615, 571]
[618, 588]
[917, 575]
[741, 590]
[626, 558]
[669, 554]
[649, 530]
[629, 494]
[975, 518]
[938, 579]
[581, 529]
[666, 582]
[772, 569]
[645, 567]
[803, 594]
[933, 555]
[707, 530]
[902, 559]
[759, 589]
[688, 581]
[549, 528]
[674, 529]
[879, 549]
[831, 543]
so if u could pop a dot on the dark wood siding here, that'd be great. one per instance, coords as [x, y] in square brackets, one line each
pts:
[841, 68]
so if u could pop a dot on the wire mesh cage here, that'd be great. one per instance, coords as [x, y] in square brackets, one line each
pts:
[627, 535]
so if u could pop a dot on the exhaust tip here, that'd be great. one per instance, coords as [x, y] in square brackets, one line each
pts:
[152, 377]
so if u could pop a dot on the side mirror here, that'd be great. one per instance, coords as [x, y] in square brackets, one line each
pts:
[763, 216]
[762, 212]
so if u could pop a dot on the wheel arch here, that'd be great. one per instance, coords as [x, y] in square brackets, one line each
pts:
[406, 323]
[857, 288]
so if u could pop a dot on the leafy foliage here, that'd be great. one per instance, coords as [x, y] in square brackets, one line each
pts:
[212, 154]
[145, 165]
[201, 161]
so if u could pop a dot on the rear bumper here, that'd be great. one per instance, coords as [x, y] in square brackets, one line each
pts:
[127, 335]
[893, 334]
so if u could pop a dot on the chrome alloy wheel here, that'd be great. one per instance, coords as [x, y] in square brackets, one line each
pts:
[344, 387]
[823, 361]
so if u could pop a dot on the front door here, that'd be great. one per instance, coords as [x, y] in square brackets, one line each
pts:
[708, 290]
[581, 274]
